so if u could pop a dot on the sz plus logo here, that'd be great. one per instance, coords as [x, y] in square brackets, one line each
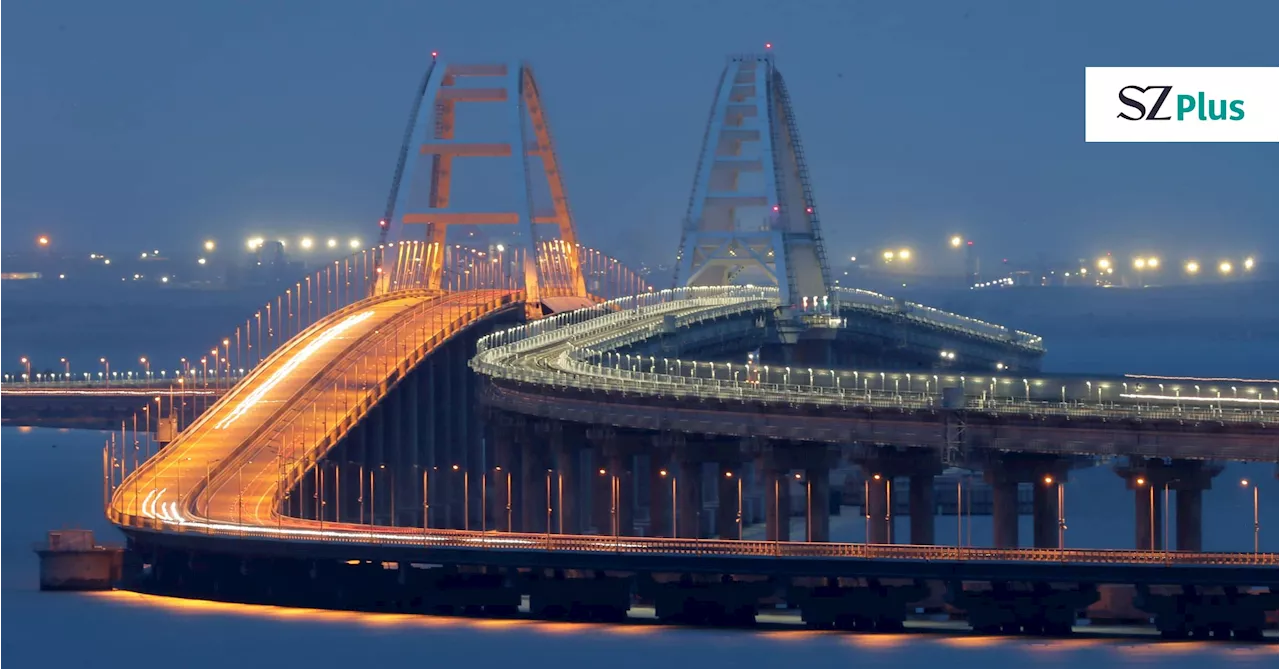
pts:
[1182, 104]
[1189, 107]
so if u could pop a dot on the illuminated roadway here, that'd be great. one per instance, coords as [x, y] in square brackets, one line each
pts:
[227, 469]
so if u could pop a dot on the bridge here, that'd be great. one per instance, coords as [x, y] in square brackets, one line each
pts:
[430, 427]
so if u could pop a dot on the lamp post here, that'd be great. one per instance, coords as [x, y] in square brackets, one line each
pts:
[1062, 518]
[738, 519]
[27, 361]
[105, 365]
[146, 367]
[66, 369]
[1151, 506]
[663, 473]
[1245, 483]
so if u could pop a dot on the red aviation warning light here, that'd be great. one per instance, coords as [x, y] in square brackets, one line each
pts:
[382, 223]
[768, 45]
[435, 54]
[775, 207]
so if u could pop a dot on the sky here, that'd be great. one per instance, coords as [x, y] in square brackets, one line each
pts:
[151, 123]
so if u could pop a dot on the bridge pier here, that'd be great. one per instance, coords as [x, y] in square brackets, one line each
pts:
[779, 460]
[1153, 481]
[729, 499]
[661, 493]
[1046, 474]
[536, 485]
[507, 479]
[777, 502]
[566, 455]
[919, 467]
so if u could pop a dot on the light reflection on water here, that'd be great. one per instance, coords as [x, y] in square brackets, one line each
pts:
[621, 643]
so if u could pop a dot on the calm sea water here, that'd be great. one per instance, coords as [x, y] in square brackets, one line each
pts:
[52, 478]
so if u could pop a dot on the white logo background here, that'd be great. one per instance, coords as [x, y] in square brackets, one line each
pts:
[1258, 87]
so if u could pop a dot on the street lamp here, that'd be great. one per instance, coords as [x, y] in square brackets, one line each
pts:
[663, 473]
[107, 367]
[27, 361]
[1244, 483]
[956, 241]
[1062, 515]
[66, 368]
[729, 475]
[209, 245]
[146, 366]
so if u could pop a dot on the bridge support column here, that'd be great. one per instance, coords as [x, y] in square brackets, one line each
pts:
[921, 505]
[728, 516]
[688, 498]
[567, 465]
[505, 473]
[887, 465]
[777, 504]
[661, 503]
[536, 484]
[1153, 482]
[1004, 513]
[1189, 506]
[818, 480]
[878, 511]
[1045, 512]
[1044, 472]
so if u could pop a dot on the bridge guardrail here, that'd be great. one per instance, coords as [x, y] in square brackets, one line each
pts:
[575, 334]
[865, 299]
[347, 533]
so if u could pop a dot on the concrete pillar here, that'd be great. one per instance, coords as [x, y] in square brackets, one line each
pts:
[921, 508]
[819, 517]
[689, 499]
[777, 505]
[1004, 513]
[1188, 504]
[879, 514]
[566, 462]
[660, 502]
[621, 472]
[533, 485]
[1044, 514]
[727, 519]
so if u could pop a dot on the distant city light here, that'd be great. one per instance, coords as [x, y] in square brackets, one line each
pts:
[106, 261]
[1248, 264]
[201, 261]
[956, 241]
[1192, 267]
[254, 243]
[164, 279]
[209, 245]
[62, 276]
[42, 240]
[1153, 262]
[1139, 263]
[1224, 267]
[501, 248]
[354, 243]
[904, 254]
[1104, 263]
[306, 242]
[853, 258]
[332, 243]
[144, 255]
[888, 256]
